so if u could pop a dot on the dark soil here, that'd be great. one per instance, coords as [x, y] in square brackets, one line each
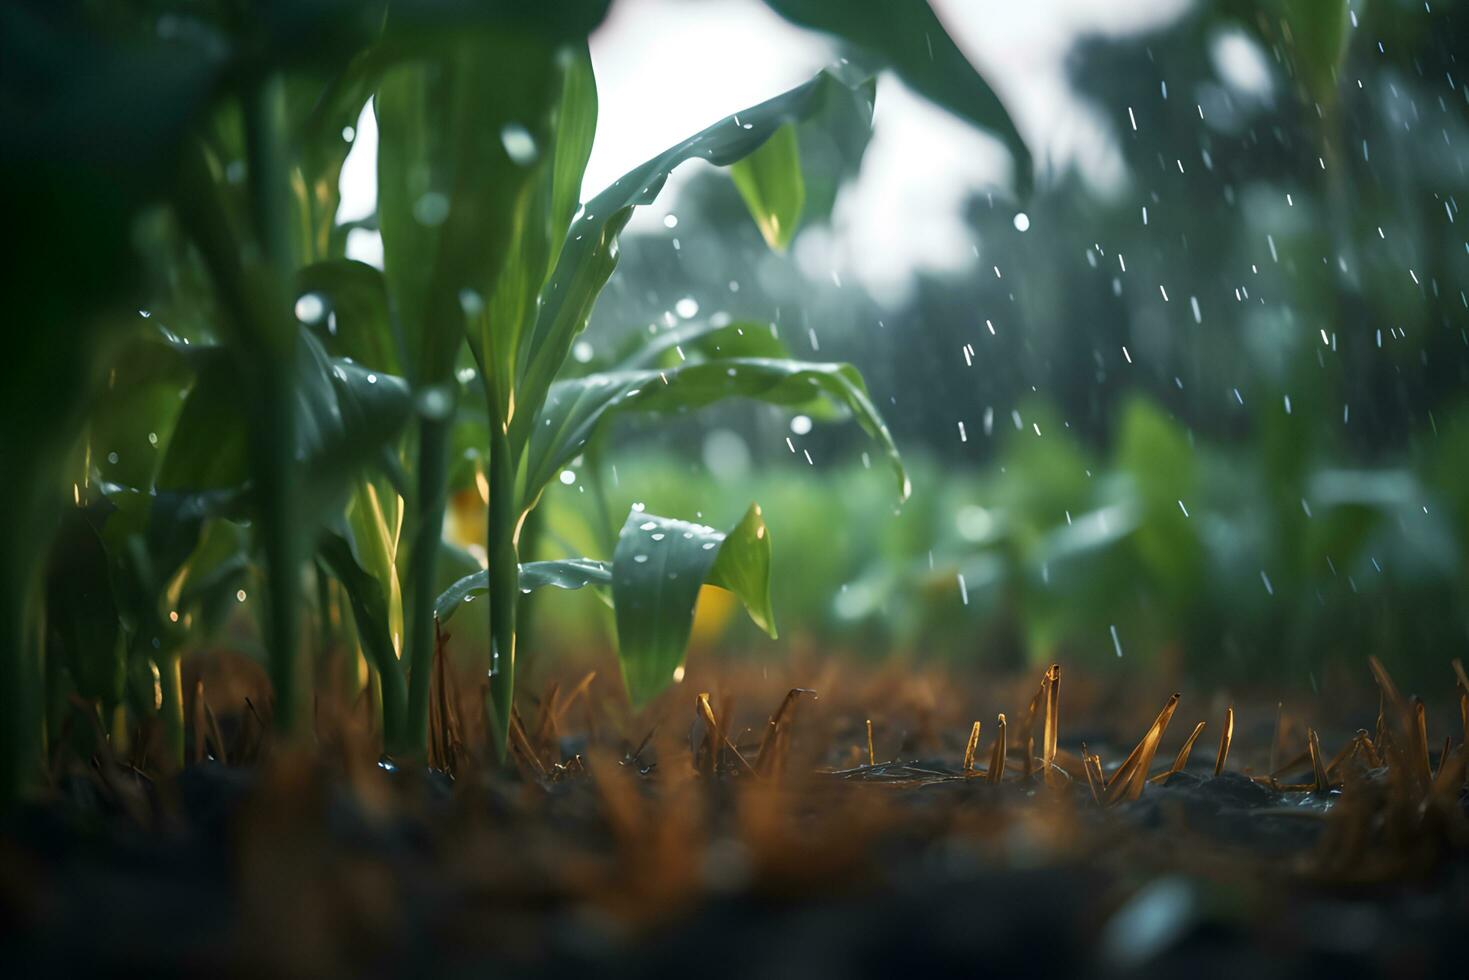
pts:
[640, 862]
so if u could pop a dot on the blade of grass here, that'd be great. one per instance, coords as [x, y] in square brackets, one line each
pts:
[969, 749]
[997, 755]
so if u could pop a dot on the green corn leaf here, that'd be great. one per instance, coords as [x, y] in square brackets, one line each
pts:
[577, 407]
[353, 318]
[906, 35]
[703, 342]
[770, 182]
[658, 567]
[564, 573]
[498, 332]
[464, 136]
[590, 253]
[371, 613]
[375, 540]
[346, 414]
[204, 590]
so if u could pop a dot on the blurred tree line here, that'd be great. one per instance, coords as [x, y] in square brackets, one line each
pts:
[1220, 420]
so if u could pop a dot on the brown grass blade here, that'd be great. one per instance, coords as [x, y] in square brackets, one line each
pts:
[997, 756]
[871, 756]
[969, 749]
[1420, 742]
[1092, 766]
[522, 746]
[772, 746]
[1225, 737]
[1127, 782]
[1181, 760]
[709, 758]
[1458, 666]
[1053, 717]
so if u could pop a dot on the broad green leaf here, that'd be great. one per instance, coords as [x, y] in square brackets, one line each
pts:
[464, 134]
[704, 342]
[345, 415]
[564, 573]
[770, 182]
[590, 252]
[907, 36]
[576, 407]
[658, 567]
[350, 302]
[375, 536]
[497, 333]
[743, 567]
[370, 612]
[203, 591]
[150, 538]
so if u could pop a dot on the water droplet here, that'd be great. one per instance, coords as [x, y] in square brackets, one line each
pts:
[310, 308]
[670, 221]
[1022, 221]
[801, 424]
[640, 559]
[568, 477]
[435, 403]
[688, 307]
[431, 209]
[471, 302]
[519, 145]
[583, 352]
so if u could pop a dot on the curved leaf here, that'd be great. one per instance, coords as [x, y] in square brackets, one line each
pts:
[370, 612]
[346, 414]
[576, 407]
[770, 182]
[907, 35]
[771, 185]
[658, 567]
[498, 332]
[590, 252]
[355, 321]
[705, 341]
[565, 573]
[463, 133]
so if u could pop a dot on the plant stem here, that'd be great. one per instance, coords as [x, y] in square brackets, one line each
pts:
[433, 486]
[504, 575]
[172, 709]
[270, 356]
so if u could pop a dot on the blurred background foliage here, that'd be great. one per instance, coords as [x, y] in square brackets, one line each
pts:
[1215, 422]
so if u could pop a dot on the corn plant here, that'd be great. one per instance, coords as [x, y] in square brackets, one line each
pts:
[323, 395]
